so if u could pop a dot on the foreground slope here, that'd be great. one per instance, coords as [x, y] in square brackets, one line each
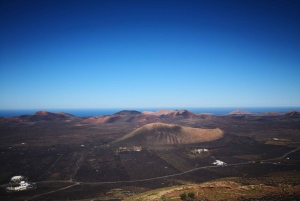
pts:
[157, 134]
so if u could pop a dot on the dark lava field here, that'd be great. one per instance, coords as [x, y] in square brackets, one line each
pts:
[72, 158]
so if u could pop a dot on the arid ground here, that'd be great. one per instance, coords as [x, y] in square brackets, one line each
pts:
[151, 156]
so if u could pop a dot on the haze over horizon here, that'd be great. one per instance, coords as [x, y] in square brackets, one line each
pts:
[157, 54]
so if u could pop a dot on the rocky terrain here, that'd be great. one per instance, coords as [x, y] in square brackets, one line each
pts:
[74, 158]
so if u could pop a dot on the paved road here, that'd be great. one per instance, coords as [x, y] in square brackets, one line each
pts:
[74, 183]
[53, 191]
[285, 155]
[172, 175]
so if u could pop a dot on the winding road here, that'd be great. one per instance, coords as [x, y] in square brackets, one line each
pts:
[171, 175]
[74, 183]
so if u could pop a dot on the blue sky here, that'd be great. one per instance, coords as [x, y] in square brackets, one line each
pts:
[126, 54]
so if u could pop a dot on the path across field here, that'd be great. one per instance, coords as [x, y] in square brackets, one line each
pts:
[172, 175]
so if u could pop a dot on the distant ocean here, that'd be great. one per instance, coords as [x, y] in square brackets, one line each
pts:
[100, 112]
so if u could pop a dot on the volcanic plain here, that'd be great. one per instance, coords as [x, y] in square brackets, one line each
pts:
[162, 155]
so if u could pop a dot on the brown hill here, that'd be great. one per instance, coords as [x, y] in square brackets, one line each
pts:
[44, 115]
[185, 114]
[159, 134]
[103, 119]
[128, 112]
[147, 112]
[239, 112]
[293, 113]
[144, 118]
[162, 112]
[177, 114]
[123, 117]
[170, 113]
[269, 114]
[66, 114]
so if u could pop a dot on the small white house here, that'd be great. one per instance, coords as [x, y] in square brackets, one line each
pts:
[23, 183]
[137, 148]
[19, 183]
[219, 163]
[199, 151]
[22, 186]
[16, 178]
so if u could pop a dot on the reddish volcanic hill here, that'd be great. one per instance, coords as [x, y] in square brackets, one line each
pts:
[160, 134]
[140, 118]
[103, 119]
[136, 117]
[148, 112]
[269, 114]
[119, 117]
[144, 118]
[171, 113]
[44, 115]
[179, 114]
[162, 112]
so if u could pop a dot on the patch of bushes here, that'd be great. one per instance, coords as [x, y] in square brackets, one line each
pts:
[191, 194]
[185, 196]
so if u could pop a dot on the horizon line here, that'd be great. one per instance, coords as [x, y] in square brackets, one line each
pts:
[124, 108]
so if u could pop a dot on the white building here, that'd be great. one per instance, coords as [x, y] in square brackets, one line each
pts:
[219, 163]
[19, 183]
[137, 148]
[199, 151]
[17, 178]
[22, 186]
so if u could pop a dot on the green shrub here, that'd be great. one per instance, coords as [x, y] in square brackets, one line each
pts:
[191, 194]
[183, 196]
[164, 198]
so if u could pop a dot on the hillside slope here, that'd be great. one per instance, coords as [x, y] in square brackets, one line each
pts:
[157, 134]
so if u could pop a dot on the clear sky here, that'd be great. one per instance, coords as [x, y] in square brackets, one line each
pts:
[126, 54]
